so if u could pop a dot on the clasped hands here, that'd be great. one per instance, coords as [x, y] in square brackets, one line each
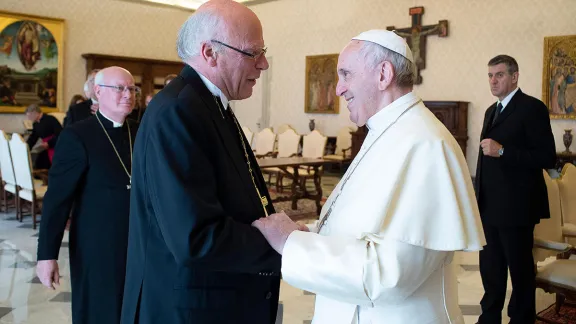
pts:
[276, 228]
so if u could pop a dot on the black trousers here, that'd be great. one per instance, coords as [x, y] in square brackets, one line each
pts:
[508, 248]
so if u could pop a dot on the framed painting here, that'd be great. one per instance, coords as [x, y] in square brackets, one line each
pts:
[559, 76]
[31, 61]
[320, 88]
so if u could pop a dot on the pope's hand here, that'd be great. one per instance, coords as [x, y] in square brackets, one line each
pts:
[47, 271]
[276, 228]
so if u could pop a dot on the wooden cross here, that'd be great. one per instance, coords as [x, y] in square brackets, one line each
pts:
[416, 38]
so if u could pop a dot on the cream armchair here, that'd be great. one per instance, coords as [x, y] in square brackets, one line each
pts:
[288, 142]
[27, 189]
[7, 170]
[558, 276]
[343, 150]
[313, 146]
[264, 143]
[567, 186]
[249, 134]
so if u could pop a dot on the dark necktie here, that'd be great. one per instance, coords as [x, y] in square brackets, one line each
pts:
[497, 112]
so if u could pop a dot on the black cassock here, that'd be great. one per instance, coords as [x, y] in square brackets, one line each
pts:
[88, 175]
[193, 255]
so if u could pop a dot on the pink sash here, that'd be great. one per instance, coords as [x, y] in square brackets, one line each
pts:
[50, 149]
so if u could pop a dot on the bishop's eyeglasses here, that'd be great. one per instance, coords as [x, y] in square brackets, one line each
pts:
[255, 56]
[121, 88]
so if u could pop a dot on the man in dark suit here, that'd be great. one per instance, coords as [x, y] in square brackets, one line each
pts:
[91, 172]
[516, 145]
[86, 108]
[44, 127]
[193, 256]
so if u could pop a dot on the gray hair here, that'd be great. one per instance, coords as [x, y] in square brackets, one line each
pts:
[200, 27]
[33, 108]
[375, 54]
[98, 78]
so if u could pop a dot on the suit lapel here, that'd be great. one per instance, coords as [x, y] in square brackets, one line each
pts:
[227, 138]
[488, 121]
[509, 109]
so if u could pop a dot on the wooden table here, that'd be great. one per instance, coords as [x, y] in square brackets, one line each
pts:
[298, 190]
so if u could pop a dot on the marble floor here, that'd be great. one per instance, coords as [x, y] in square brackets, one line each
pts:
[24, 300]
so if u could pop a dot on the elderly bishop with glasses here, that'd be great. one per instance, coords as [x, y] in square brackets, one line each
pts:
[193, 256]
[91, 175]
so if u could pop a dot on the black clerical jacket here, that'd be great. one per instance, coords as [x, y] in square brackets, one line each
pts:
[86, 174]
[511, 189]
[78, 112]
[48, 127]
[193, 256]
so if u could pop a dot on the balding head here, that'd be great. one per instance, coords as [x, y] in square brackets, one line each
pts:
[115, 91]
[223, 41]
[223, 20]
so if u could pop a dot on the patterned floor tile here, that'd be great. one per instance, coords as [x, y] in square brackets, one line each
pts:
[470, 267]
[8, 251]
[280, 314]
[63, 297]
[4, 311]
[471, 309]
[24, 264]
[36, 280]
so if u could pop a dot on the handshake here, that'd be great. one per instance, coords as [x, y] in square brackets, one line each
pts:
[276, 228]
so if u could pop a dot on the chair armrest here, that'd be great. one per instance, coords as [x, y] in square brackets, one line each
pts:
[269, 154]
[569, 230]
[553, 246]
[345, 150]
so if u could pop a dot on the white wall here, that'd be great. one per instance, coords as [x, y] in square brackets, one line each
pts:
[105, 27]
[456, 65]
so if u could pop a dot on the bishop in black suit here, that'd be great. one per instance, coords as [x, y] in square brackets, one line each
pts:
[91, 172]
[193, 255]
[516, 145]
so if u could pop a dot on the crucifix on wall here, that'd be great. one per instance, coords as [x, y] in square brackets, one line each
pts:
[416, 38]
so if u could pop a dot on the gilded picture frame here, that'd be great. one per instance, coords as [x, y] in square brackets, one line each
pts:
[559, 76]
[320, 86]
[31, 62]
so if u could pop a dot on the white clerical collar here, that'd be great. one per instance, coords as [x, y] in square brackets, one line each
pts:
[390, 113]
[506, 100]
[114, 124]
[214, 90]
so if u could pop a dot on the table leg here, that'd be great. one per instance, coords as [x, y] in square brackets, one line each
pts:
[317, 179]
[295, 183]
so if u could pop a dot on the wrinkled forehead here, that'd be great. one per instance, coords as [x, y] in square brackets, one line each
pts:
[351, 53]
[247, 32]
[119, 78]
[498, 68]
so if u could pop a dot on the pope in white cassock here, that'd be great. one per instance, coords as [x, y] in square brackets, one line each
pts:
[384, 247]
